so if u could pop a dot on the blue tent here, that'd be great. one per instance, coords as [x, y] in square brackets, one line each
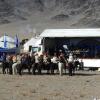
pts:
[7, 51]
[13, 50]
[8, 44]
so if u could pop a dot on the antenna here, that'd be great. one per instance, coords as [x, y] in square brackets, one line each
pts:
[62, 10]
[34, 32]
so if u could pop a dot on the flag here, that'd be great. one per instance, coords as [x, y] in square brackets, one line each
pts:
[16, 41]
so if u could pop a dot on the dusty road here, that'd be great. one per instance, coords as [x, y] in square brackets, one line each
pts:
[83, 86]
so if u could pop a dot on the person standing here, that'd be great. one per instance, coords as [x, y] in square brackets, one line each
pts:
[3, 62]
[40, 64]
[62, 63]
[55, 60]
[9, 61]
[70, 64]
[36, 63]
[14, 69]
[10, 64]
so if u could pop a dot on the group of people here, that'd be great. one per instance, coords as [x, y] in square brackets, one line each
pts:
[17, 62]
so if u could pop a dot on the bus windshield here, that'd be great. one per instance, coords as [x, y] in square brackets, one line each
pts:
[34, 49]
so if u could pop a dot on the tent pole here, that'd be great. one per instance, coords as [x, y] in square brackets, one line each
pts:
[43, 45]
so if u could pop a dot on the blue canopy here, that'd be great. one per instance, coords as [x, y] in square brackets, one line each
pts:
[13, 50]
[7, 51]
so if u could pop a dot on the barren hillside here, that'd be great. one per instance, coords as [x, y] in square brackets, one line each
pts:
[27, 17]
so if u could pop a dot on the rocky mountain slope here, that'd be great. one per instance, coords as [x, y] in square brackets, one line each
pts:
[33, 16]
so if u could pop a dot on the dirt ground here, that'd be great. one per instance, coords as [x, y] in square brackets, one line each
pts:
[83, 86]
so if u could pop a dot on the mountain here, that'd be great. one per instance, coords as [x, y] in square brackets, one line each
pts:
[29, 17]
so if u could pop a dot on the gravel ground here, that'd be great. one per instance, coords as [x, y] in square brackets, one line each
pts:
[83, 86]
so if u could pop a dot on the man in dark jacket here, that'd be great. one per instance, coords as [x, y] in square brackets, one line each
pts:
[40, 64]
[3, 62]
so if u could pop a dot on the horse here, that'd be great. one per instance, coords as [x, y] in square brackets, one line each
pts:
[76, 65]
[38, 67]
[50, 67]
[20, 67]
[5, 67]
